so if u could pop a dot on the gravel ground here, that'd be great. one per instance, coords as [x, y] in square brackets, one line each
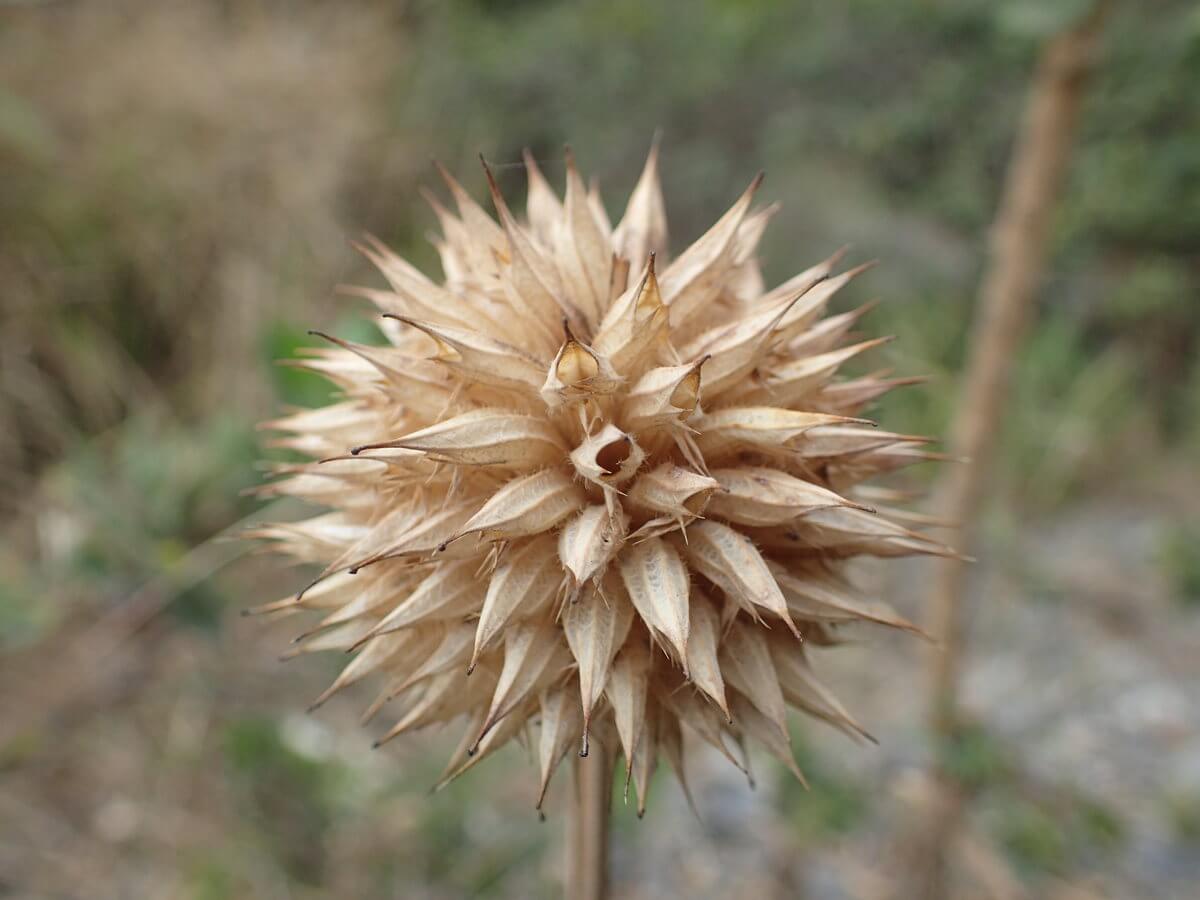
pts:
[1084, 675]
[185, 766]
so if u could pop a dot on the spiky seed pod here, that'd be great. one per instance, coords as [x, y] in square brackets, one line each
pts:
[590, 489]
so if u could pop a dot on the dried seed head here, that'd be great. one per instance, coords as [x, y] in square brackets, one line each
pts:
[614, 490]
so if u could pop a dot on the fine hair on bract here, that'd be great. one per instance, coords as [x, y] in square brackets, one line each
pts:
[590, 491]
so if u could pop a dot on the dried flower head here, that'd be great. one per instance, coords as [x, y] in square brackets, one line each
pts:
[591, 490]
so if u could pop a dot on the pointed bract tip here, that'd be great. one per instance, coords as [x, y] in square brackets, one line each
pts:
[308, 587]
[862, 267]
[838, 255]
[494, 188]
[444, 173]
[434, 202]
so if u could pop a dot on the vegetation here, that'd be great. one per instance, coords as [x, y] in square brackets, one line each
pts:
[180, 184]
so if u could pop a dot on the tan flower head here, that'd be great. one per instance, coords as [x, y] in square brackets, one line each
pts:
[588, 491]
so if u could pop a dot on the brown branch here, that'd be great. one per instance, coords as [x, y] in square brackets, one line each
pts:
[1017, 250]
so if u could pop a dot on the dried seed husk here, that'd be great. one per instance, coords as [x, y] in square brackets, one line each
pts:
[589, 541]
[524, 583]
[635, 327]
[730, 560]
[761, 496]
[487, 437]
[526, 506]
[480, 358]
[657, 581]
[665, 395]
[673, 490]
[577, 373]
[627, 689]
[595, 627]
[561, 724]
[608, 458]
[642, 231]
[769, 428]
[612, 490]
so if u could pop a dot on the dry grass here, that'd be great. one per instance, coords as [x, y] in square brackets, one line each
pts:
[172, 183]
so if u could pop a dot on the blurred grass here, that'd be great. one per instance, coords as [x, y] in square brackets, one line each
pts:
[832, 804]
[149, 262]
[180, 183]
[1180, 560]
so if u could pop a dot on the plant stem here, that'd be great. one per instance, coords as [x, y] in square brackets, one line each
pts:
[587, 834]
[1018, 244]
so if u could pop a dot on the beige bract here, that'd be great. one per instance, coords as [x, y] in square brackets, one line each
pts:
[590, 491]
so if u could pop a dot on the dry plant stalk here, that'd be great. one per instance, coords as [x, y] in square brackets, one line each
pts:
[588, 491]
[1019, 239]
[587, 837]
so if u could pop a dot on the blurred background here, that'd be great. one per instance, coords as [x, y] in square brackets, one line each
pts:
[179, 183]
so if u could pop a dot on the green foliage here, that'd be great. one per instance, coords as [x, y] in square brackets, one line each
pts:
[1044, 837]
[975, 759]
[1033, 839]
[210, 879]
[444, 826]
[22, 130]
[833, 804]
[124, 514]
[1098, 827]
[884, 124]
[864, 110]
[1183, 815]
[284, 343]
[1044, 828]
[1179, 555]
[290, 800]
[1068, 407]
